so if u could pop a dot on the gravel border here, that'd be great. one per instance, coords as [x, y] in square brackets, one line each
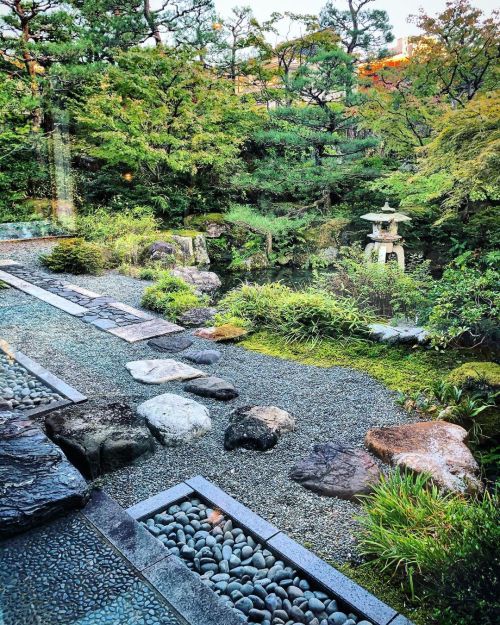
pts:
[333, 404]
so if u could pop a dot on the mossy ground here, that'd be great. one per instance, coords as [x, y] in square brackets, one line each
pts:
[399, 368]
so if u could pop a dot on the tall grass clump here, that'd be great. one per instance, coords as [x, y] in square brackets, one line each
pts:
[171, 296]
[298, 315]
[103, 226]
[443, 547]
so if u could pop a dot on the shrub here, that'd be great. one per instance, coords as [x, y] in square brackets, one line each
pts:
[466, 302]
[436, 543]
[104, 226]
[75, 256]
[171, 296]
[386, 290]
[298, 315]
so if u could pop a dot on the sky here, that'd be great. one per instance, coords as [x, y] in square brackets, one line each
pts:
[398, 10]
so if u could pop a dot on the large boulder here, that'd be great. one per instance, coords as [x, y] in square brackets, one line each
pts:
[201, 256]
[160, 370]
[257, 427]
[100, 439]
[195, 317]
[213, 387]
[38, 482]
[202, 281]
[174, 419]
[337, 471]
[404, 334]
[160, 251]
[434, 447]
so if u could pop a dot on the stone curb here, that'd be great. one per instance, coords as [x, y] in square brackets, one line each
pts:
[347, 591]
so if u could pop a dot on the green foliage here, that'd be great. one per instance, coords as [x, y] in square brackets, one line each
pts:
[171, 296]
[103, 226]
[297, 315]
[438, 544]
[387, 290]
[466, 302]
[269, 223]
[75, 256]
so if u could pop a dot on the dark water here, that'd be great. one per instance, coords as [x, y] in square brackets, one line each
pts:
[291, 276]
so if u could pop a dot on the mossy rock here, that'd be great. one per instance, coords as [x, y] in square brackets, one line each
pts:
[200, 221]
[476, 376]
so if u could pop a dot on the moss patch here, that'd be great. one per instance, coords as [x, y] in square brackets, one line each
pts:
[399, 368]
[472, 374]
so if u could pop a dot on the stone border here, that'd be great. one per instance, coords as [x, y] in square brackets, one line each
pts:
[329, 578]
[49, 379]
[181, 588]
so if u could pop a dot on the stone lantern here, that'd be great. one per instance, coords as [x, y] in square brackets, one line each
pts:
[385, 237]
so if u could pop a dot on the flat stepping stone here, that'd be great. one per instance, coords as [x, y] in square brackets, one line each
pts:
[162, 370]
[204, 356]
[337, 471]
[434, 447]
[174, 419]
[171, 344]
[100, 439]
[257, 427]
[226, 332]
[213, 387]
[145, 330]
[38, 481]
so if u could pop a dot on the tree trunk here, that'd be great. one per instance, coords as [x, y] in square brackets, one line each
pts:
[149, 17]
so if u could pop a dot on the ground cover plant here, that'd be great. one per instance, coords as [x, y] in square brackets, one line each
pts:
[443, 547]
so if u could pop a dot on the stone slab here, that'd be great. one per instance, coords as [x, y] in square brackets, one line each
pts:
[157, 503]
[245, 517]
[140, 547]
[400, 620]
[146, 330]
[49, 378]
[131, 310]
[5, 262]
[187, 594]
[42, 294]
[104, 324]
[348, 591]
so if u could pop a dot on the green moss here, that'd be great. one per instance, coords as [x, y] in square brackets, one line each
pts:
[182, 232]
[199, 221]
[388, 590]
[399, 368]
[476, 374]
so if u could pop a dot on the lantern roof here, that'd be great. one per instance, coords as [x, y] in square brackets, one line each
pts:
[388, 214]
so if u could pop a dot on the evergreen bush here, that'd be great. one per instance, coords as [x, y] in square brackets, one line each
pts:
[75, 256]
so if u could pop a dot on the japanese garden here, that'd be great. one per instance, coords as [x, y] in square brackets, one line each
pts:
[249, 313]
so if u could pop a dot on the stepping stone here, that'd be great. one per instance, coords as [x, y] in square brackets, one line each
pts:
[213, 387]
[174, 419]
[146, 330]
[226, 332]
[161, 370]
[337, 471]
[100, 439]
[257, 427]
[434, 447]
[197, 316]
[38, 481]
[172, 344]
[204, 356]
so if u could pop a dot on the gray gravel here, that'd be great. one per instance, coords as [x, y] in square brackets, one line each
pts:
[335, 404]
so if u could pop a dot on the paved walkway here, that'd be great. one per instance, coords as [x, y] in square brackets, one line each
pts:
[104, 312]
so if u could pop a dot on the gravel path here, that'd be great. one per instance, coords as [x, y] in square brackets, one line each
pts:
[334, 404]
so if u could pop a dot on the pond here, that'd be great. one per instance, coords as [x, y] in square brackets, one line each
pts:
[294, 277]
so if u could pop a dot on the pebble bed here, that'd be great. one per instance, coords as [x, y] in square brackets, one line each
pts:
[248, 577]
[20, 389]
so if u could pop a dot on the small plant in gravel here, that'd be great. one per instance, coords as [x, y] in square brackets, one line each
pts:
[298, 315]
[171, 296]
[75, 256]
[443, 547]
